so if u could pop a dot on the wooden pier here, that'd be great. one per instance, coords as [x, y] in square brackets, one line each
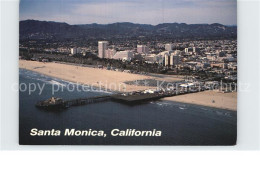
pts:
[84, 101]
[131, 99]
[135, 99]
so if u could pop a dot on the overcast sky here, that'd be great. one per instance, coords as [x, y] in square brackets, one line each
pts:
[136, 11]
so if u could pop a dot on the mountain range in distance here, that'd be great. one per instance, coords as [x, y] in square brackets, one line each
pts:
[35, 29]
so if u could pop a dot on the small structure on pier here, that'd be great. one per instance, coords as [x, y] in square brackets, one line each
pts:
[52, 103]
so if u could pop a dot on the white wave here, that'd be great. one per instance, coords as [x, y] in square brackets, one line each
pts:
[182, 108]
[53, 82]
[163, 104]
[228, 114]
[220, 113]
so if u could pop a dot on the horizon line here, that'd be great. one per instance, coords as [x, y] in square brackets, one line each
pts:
[130, 22]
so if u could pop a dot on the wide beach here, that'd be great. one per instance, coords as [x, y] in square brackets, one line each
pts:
[114, 80]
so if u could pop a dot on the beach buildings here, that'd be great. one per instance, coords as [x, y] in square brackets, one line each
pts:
[174, 59]
[167, 60]
[102, 47]
[105, 52]
[171, 60]
[73, 51]
[124, 55]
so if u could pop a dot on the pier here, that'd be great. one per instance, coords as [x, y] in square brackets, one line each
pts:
[137, 98]
[129, 98]
[89, 100]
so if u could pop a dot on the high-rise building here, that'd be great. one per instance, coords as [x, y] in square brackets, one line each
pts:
[102, 47]
[142, 49]
[73, 51]
[174, 59]
[78, 50]
[168, 47]
[166, 60]
[171, 60]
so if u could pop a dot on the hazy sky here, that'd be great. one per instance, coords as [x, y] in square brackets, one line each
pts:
[136, 11]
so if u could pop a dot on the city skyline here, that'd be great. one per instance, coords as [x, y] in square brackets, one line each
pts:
[106, 12]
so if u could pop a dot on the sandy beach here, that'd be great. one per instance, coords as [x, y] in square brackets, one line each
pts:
[85, 75]
[114, 80]
[209, 98]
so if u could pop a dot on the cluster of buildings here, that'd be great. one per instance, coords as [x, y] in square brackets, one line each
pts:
[218, 56]
[75, 50]
[167, 58]
[111, 53]
[212, 56]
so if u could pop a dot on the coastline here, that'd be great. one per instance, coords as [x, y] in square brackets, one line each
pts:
[212, 99]
[111, 80]
[104, 78]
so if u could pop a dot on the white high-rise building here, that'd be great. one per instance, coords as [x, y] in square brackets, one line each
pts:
[102, 47]
[168, 47]
[78, 50]
[166, 60]
[174, 59]
[73, 51]
[171, 60]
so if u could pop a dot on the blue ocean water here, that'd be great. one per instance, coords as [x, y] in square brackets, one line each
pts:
[181, 124]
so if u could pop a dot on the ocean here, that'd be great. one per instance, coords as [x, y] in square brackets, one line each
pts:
[180, 124]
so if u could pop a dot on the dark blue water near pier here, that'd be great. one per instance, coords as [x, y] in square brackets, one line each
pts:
[181, 124]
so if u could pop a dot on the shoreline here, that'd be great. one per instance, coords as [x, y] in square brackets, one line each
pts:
[208, 98]
[198, 105]
[111, 80]
[95, 77]
[98, 89]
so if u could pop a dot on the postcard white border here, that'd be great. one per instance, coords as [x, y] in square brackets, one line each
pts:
[248, 72]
